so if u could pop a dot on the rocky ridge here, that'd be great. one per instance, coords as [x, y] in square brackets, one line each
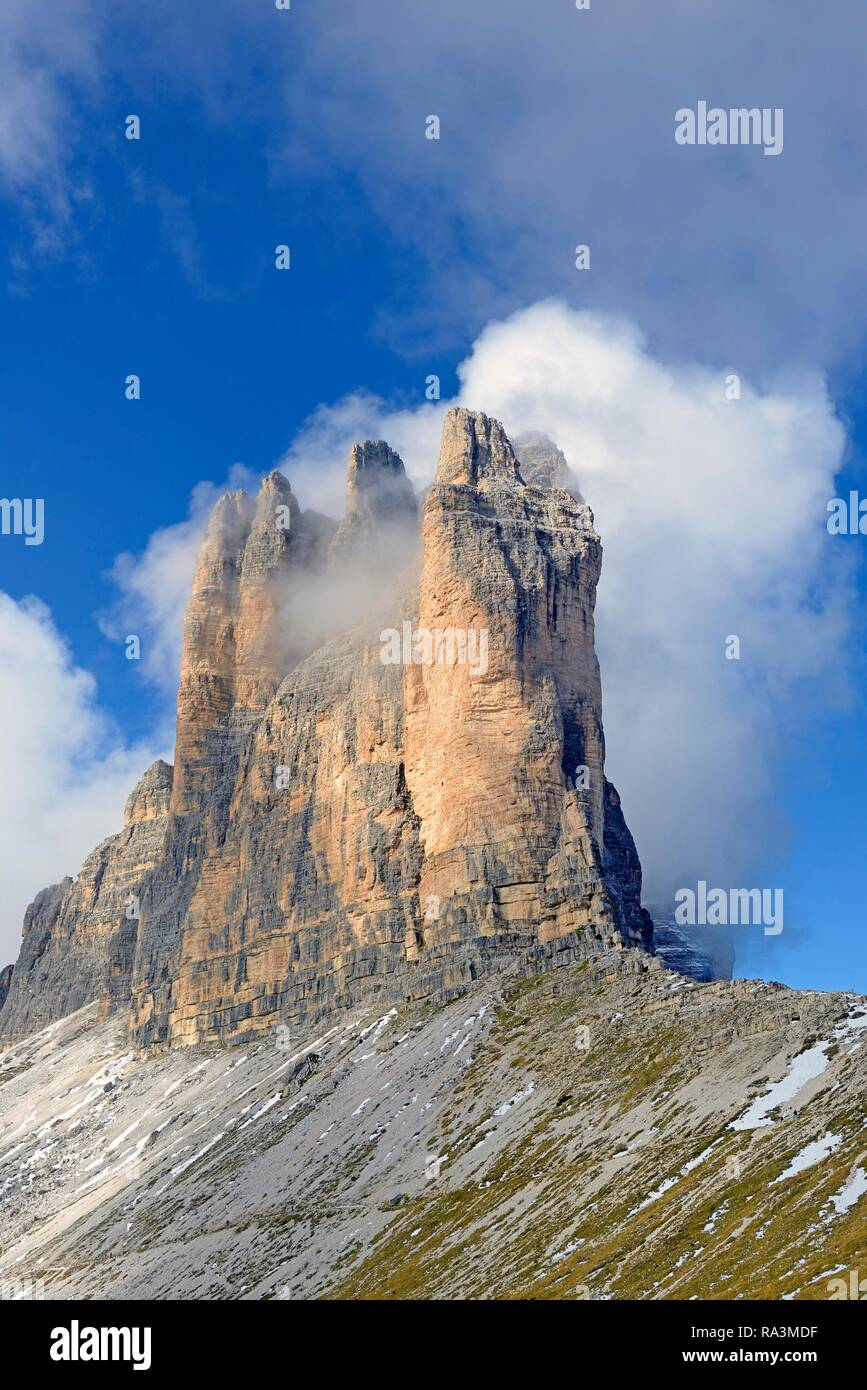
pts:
[341, 827]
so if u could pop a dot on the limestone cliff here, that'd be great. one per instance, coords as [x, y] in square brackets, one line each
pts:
[543, 463]
[5, 982]
[79, 935]
[380, 515]
[702, 953]
[390, 763]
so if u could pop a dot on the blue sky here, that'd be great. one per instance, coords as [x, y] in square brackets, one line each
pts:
[227, 375]
[307, 127]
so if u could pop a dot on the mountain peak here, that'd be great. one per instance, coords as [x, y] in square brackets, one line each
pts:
[381, 513]
[335, 775]
[475, 451]
[150, 796]
[543, 464]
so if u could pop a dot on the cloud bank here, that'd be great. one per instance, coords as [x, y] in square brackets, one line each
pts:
[46, 62]
[712, 516]
[557, 128]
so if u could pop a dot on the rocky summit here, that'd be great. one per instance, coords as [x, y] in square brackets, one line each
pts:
[389, 775]
[362, 1001]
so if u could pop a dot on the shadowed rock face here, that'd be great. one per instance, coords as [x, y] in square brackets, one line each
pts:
[381, 515]
[702, 953]
[235, 649]
[79, 936]
[544, 464]
[5, 982]
[391, 811]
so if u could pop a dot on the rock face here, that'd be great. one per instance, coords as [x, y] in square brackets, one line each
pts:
[381, 515]
[5, 982]
[544, 464]
[504, 764]
[374, 800]
[236, 648]
[702, 953]
[79, 936]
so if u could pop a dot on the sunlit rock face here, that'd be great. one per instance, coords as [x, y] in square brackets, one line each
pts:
[389, 773]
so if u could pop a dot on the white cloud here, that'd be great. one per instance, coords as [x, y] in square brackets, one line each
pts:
[557, 128]
[65, 771]
[42, 53]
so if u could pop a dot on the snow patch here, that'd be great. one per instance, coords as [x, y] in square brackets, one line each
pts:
[516, 1099]
[669, 1183]
[803, 1068]
[853, 1189]
[810, 1154]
